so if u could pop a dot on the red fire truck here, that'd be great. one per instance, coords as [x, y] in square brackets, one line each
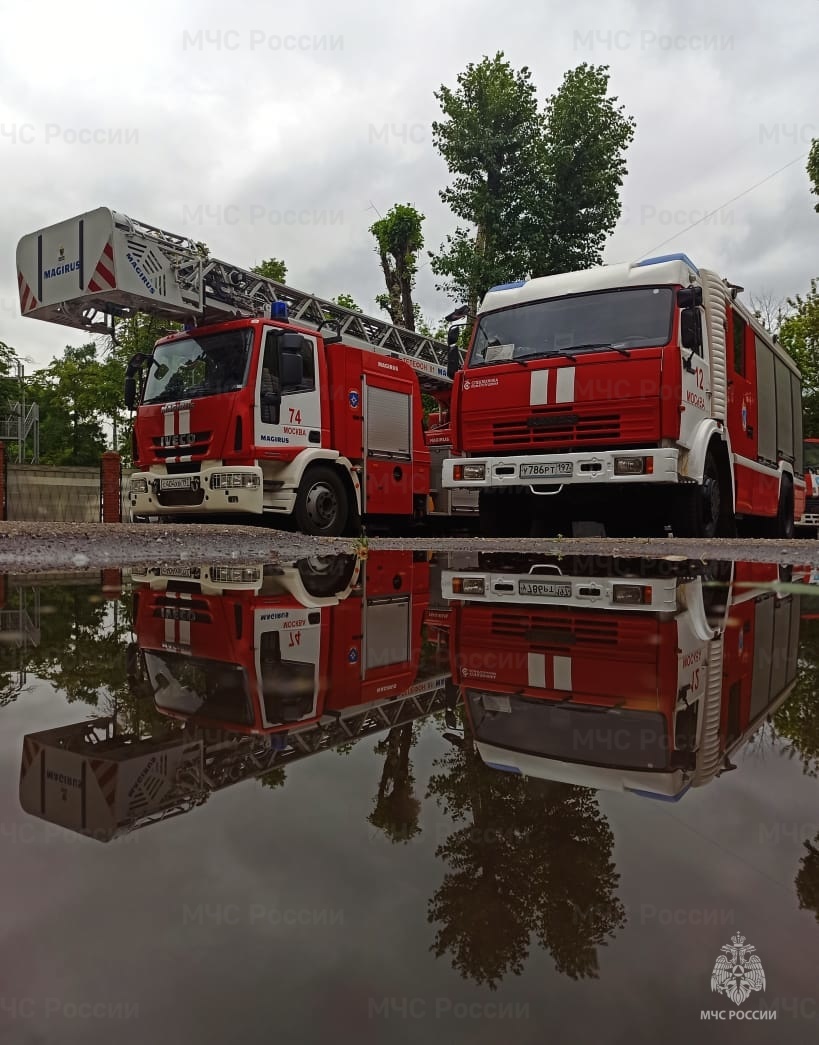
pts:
[269, 400]
[638, 676]
[647, 381]
[253, 667]
[810, 516]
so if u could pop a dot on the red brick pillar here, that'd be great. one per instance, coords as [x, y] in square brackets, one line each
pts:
[112, 583]
[3, 484]
[111, 487]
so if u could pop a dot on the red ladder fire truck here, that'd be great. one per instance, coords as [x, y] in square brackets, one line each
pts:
[646, 381]
[641, 675]
[269, 400]
[253, 667]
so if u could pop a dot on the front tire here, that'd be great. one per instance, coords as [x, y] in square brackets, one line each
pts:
[322, 505]
[699, 510]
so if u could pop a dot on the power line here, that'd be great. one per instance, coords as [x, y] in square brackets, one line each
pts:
[724, 205]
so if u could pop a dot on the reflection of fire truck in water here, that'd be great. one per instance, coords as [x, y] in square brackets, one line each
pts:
[254, 667]
[642, 676]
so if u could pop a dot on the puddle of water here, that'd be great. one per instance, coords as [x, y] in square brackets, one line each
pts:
[411, 796]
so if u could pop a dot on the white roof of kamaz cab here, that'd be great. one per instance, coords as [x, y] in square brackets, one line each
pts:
[668, 270]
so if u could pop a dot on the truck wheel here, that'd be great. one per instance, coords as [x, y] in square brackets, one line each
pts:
[698, 510]
[322, 505]
[784, 516]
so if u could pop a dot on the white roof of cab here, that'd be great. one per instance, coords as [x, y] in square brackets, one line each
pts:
[668, 270]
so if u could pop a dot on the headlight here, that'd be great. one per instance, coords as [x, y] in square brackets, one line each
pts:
[139, 486]
[475, 472]
[631, 595]
[468, 585]
[235, 574]
[234, 480]
[633, 465]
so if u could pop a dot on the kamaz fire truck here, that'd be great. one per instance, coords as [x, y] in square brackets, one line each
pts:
[633, 394]
[269, 400]
[642, 676]
[253, 667]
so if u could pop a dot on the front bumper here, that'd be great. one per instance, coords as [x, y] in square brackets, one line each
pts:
[198, 493]
[555, 470]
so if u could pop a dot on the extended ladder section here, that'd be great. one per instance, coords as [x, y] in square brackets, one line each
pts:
[102, 266]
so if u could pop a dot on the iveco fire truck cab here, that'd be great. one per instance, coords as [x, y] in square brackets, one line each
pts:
[301, 645]
[634, 678]
[810, 516]
[647, 381]
[270, 400]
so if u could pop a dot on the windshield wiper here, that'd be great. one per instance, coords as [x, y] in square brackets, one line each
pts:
[592, 345]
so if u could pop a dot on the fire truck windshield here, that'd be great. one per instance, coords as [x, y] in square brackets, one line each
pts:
[600, 736]
[199, 366]
[195, 686]
[622, 319]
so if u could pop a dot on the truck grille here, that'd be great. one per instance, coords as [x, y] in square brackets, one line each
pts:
[576, 425]
[812, 506]
[193, 444]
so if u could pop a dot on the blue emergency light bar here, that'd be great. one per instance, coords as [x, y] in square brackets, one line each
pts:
[278, 310]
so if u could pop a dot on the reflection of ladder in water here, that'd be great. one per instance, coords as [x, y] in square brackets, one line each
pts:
[23, 420]
[20, 628]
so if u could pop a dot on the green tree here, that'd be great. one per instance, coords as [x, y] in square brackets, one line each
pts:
[533, 858]
[807, 878]
[813, 169]
[538, 189]
[587, 135]
[799, 334]
[399, 238]
[273, 268]
[73, 394]
[347, 301]
[396, 809]
[797, 720]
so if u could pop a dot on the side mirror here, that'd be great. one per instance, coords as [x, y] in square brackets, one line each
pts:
[291, 342]
[453, 334]
[130, 392]
[453, 361]
[691, 329]
[689, 297]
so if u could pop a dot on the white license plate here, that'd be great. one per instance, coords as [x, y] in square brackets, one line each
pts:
[546, 471]
[546, 589]
[183, 482]
[175, 613]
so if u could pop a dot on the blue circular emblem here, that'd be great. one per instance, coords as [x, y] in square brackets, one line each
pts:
[352, 656]
[354, 398]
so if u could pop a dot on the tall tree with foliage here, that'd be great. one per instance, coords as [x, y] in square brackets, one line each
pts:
[73, 394]
[538, 188]
[526, 858]
[813, 169]
[799, 334]
[399, 238]
[587, 134]
[272, 268]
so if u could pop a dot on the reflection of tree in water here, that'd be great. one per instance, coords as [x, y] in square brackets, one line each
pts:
[807, 878]
[797, 720]
[396, 809]
[534, 858]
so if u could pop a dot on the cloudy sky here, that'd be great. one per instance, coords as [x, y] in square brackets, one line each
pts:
[286, 128]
